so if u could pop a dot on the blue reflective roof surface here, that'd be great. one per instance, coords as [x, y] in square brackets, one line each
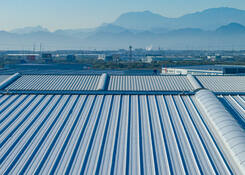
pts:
[104, 134]
[57, 124]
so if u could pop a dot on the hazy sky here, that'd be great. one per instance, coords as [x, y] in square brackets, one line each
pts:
[64, 14]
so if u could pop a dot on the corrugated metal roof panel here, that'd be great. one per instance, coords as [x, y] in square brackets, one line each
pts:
[3, 77]
[223, 83]
[219, 84]
[150, 83]
[106, 134]
[55, 82]
[236, 103]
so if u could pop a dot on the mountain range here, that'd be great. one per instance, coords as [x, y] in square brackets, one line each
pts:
[209, 19]
[217, 28]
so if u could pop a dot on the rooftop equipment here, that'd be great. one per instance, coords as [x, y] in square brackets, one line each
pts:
[9, 80]
[225, 128]
[103, 82]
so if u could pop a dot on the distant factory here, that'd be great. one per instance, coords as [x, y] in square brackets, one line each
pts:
[204, 70]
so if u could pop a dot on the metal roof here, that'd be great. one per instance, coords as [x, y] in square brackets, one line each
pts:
[55, 82]
[90, 82]
[92, 124]
[235, 104]
[133, 83]
[149, 83]
[106, 134]
[223, 83]
[3, 77]
[224, 127]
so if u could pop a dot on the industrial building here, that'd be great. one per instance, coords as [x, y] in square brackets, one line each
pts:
[204, 70]
[122, 124]
[27, 57]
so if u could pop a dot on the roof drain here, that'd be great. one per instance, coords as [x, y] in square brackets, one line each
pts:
[9, 80]
[194, 82]
[224, 128]
[103, 82]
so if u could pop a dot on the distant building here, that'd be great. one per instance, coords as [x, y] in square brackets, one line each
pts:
[70, 58]
[22, 57]
[147, 59]
[113, 57]
[90, 56]
[150, 58]
[101, 57]
[31, 57]
[109, 58]
[214, 57]
[47, 57]
[205, 70]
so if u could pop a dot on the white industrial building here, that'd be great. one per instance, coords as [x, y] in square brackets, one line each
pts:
[204, 70]
[122, 124]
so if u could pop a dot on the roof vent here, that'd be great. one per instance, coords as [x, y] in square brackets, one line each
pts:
[224, 127]
[102, 82]
[194, 82]
[9, 80]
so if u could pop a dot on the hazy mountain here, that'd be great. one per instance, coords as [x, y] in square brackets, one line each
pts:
[79, 33]
[29, 30]
[209, 19]
[114, 37]
[141, 20]
[187, 38]
[110, 28]
[186, 32]
[232, 28]
[220, 28]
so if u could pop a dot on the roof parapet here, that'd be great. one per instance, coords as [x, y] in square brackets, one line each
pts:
[225, 129]
[194, 82]
[9, 80]
[102, 85]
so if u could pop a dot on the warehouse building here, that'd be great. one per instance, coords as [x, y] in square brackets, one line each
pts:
[122, 124]
[204, 70]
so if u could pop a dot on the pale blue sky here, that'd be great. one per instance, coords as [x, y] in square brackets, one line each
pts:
[64, 14]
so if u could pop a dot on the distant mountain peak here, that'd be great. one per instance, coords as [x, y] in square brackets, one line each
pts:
[221, 9]
[140, 20]
[208, 19]
[110, 28]
[235, 28]
[218, 28]
[29, 29]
